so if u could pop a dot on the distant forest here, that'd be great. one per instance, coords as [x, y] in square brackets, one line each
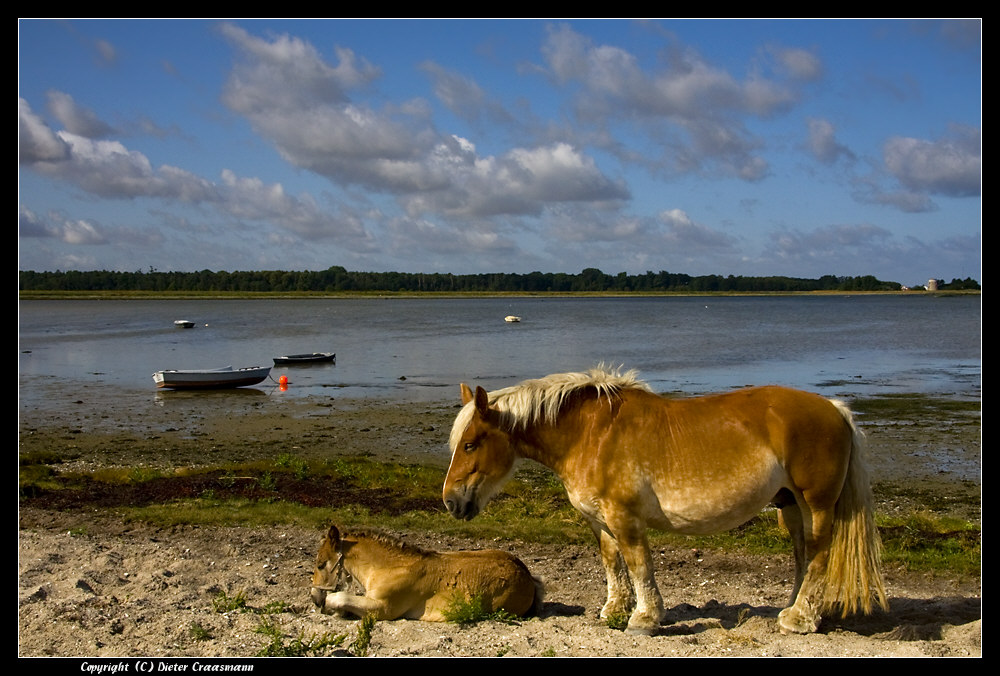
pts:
[338, 279]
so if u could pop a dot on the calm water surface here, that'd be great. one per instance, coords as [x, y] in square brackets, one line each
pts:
[419, 349]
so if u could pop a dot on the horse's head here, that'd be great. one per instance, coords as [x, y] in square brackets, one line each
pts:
[326, 574]
[481, 456]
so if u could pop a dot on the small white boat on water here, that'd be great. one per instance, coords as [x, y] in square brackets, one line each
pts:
[512, 319]
[183, 324]
[208, 379]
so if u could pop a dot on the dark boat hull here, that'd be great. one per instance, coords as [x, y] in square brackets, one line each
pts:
[311, 358]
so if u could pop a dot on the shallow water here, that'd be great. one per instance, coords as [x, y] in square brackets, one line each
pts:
[420, 349]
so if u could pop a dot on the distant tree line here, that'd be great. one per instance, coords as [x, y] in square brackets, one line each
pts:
[338, 279]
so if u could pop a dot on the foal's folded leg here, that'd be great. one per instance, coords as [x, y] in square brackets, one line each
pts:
[342, 603]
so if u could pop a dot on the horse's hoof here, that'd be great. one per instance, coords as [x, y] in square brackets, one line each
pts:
[792, 621]
[642, 626]
[641, 630]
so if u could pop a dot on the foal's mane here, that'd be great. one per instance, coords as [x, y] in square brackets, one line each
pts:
[384, 540]
[542, 399]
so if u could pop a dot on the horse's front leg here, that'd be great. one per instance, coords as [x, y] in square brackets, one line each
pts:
[344, 603]
[634, 548]
[619, 599]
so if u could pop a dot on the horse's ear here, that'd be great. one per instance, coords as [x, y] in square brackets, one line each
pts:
[482, 400]
[466, 394]
[333, 535]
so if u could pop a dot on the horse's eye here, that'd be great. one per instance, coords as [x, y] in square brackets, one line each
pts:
[470, 447]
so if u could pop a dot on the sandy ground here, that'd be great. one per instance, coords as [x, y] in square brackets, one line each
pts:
[92, 585]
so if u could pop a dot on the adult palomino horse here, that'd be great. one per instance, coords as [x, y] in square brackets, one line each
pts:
[405, 581]
[631, 459]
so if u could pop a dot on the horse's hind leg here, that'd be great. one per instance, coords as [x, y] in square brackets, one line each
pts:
[803, 616]
[791, 518]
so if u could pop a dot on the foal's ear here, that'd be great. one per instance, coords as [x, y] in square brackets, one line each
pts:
[466, 394]
[333, 535]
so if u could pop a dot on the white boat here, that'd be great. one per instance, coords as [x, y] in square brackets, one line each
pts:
[512, 318]
[206, 379]
[183, 324]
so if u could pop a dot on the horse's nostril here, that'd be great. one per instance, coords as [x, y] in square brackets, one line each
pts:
[457, 508]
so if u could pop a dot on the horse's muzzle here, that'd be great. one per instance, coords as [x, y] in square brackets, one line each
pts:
[461, 507]
[318, 596]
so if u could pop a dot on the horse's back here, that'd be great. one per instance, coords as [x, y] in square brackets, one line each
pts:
[779, 418]
[800, 428]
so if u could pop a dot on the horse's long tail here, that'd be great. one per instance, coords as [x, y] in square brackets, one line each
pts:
[854, 571]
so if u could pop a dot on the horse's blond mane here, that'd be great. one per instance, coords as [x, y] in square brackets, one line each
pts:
[541, 399]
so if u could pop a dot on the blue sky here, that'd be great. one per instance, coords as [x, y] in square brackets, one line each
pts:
[743, 147]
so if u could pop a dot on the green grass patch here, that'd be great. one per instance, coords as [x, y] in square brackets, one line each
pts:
[224, 603]
[198, 632]
[227, 512]
[279, 645]
[317, 645]
[296, 465]
[359, 646]
[617, 621]
[32, 479]
[464, 609]
[918, 409]
[38, 471]
[930, 543]
[45, 457]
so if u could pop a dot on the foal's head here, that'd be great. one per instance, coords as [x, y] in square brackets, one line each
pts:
[326, 574]
[481, 456]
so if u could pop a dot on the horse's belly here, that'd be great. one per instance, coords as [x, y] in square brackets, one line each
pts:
[713, 507]
[696, 504]
[702, 519]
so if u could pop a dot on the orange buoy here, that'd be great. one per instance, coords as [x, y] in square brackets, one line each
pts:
[283, 380]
